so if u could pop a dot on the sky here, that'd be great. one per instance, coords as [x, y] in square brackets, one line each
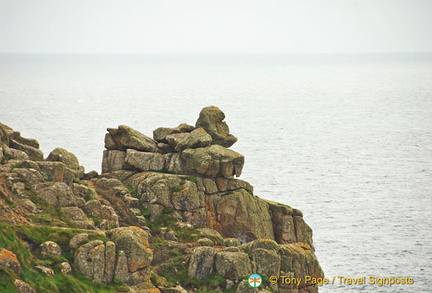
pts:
[215, 26]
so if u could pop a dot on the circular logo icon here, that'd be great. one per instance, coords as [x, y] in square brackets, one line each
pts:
[254, 280]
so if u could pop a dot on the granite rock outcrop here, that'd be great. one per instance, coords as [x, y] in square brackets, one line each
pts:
[167, 214]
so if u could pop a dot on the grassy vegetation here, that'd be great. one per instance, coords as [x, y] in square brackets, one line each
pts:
[133, 192]
[144, 212]
[24, 241]
[175, 273]
[162, 221]
[4, 159]
[178, 188]
[192, 179]
[96, 220]
[7, 200]
[89, 197]
[164, 171]
[49, 215]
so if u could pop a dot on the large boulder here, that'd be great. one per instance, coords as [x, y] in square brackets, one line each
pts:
[67, 158]
[211, 119]
[125, 137]
[212, 161]
[195, 139]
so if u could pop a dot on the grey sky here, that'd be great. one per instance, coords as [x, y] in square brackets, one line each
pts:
[219, 26]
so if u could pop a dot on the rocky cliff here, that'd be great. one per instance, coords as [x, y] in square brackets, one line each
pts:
[166, 215]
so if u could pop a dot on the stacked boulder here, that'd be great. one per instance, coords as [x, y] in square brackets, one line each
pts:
[190, 171]
[200, 150]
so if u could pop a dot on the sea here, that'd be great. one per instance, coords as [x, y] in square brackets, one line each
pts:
[346, 138]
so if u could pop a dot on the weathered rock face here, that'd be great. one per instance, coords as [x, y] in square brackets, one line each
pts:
[241, 215]
[224, 204]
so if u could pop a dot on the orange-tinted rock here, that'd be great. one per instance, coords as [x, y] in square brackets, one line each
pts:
[9, 260]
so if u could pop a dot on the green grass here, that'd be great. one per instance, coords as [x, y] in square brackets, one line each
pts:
[96, 220]
[175, 272]
[49, 215]
[192, 179]
[133, 192]
[7, 280]
[24, 240]
[16, 166]
[89, 197]
[168, 221]
[164, 171]
[4, 160]
[7, 200]
[144, 212]
[178, 188]
[162, 221]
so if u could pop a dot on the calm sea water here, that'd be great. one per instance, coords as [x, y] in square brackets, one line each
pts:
[347, 139]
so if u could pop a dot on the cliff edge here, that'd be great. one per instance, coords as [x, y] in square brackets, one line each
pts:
[167, 214]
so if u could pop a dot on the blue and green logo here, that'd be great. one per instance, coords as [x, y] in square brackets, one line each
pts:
[254, 280]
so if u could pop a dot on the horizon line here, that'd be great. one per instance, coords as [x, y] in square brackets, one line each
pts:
[204, 54]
